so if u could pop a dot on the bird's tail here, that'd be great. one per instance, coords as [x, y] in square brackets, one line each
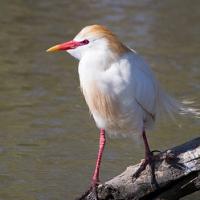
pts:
[172, 107]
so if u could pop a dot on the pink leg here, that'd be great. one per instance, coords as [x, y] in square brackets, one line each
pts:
[102, 141]
[148, 160]
[95, 178]
[146, 146]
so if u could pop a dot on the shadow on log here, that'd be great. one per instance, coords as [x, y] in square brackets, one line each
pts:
[177, 174]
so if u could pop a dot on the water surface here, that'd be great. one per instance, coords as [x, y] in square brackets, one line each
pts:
[48, 140]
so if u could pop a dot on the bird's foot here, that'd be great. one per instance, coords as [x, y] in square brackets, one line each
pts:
[90, 193]
[149, 160]
[143, 165]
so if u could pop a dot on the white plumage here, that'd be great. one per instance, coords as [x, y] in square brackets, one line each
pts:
[119, 87]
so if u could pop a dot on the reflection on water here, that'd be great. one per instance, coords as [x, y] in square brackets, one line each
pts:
[48, 140]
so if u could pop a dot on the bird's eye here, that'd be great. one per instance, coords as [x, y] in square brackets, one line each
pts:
[84, 42]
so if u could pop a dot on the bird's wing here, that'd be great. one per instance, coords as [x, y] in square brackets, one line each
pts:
[131, 81]
[145, 86]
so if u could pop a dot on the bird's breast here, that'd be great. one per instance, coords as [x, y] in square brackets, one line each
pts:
[100, 101]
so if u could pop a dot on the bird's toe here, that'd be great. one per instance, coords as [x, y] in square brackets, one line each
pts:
[90, 194]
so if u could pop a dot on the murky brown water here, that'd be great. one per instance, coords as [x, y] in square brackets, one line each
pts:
[48, 142]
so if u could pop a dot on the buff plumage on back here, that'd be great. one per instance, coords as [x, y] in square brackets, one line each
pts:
[101, 31]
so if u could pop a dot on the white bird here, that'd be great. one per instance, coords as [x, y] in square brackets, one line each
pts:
[119, 87]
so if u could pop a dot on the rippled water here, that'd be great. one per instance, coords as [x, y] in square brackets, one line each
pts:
[48, 140]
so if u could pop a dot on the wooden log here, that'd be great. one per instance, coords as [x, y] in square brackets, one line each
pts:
[177, 173]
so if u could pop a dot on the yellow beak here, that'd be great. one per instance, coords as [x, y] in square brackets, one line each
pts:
[54, 48]
[65, 46]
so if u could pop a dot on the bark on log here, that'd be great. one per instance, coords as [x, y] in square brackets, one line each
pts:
[177, 174]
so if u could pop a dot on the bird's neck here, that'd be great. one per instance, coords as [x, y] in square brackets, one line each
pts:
[104, 57]
[93, 65]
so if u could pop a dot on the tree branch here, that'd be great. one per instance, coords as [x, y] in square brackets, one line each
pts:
[177, 174]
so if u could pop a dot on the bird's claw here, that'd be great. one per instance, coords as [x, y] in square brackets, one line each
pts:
[149, 160]
[155, 151]
[91, 193]
[141, 168]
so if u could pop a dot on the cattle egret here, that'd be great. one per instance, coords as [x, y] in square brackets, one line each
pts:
[119, 87]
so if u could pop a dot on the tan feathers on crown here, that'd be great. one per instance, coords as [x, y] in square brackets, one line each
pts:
[115, 45]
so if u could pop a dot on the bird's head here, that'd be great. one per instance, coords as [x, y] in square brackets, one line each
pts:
[91, 38]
